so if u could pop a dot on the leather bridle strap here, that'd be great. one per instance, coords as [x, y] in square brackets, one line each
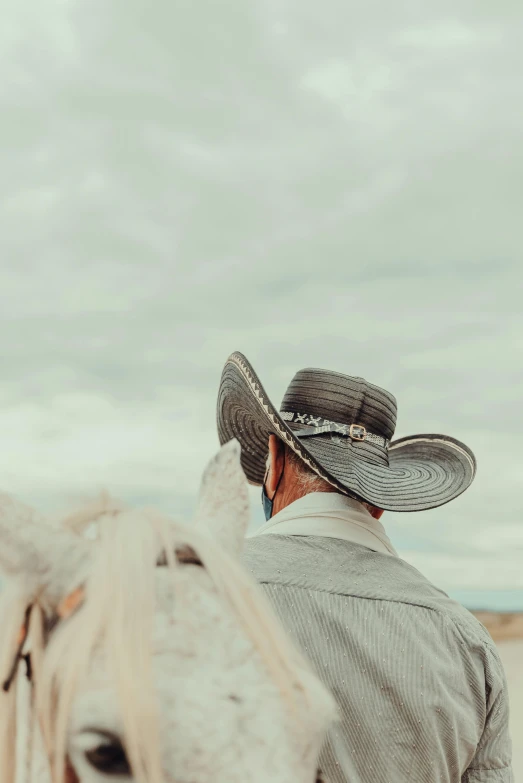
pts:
[68, 606]
[22, 636]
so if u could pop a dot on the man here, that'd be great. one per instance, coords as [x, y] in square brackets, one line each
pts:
[420, 686]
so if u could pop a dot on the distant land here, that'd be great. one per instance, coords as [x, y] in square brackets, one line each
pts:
[502, 626]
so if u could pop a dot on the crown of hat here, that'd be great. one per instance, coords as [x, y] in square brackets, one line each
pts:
[342, 398]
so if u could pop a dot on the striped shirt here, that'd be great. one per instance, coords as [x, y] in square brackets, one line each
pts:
[419, 683]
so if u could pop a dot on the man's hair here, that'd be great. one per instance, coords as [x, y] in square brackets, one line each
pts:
[309, 481]
[306, 478]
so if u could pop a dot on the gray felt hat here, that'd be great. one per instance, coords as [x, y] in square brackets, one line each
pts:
[342, 428]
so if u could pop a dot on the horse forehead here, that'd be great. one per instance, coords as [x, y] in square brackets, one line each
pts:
[212, 690]
[200, 653]
[193, 627]
[194, 622]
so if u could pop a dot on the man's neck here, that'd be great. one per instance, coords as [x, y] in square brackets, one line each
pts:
[330, 515]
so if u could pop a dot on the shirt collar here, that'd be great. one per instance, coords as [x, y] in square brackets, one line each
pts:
[331, 515]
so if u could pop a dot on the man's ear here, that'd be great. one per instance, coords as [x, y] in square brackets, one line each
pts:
[276, 464]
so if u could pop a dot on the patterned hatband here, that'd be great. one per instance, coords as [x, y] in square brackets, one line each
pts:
[319, 425]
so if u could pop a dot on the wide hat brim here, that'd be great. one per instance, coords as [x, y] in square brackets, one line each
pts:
[424, 471]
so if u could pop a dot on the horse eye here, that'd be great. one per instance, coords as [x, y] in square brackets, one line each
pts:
[109, 758]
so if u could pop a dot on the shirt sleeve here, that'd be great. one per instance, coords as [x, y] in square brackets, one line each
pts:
[493, 760]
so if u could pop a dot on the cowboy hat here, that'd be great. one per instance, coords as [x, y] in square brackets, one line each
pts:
[342, 428]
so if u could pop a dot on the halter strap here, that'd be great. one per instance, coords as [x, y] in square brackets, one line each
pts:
[66, 608]
[71, 603]
[22, 636]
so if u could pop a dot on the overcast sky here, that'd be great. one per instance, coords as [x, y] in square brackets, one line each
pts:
[312, 184]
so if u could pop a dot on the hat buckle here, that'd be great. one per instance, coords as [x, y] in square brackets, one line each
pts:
[357, 432]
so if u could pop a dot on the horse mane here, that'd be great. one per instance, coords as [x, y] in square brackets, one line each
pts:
[120, 608]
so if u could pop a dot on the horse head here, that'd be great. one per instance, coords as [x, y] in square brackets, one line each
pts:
[154, 657]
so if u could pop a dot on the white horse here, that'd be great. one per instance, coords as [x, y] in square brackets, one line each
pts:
[153, 656]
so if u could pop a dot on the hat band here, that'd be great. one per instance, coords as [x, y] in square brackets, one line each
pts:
[319, 425]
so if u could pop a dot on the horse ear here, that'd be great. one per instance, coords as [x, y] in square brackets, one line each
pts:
[223, 506]
[50, 560]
